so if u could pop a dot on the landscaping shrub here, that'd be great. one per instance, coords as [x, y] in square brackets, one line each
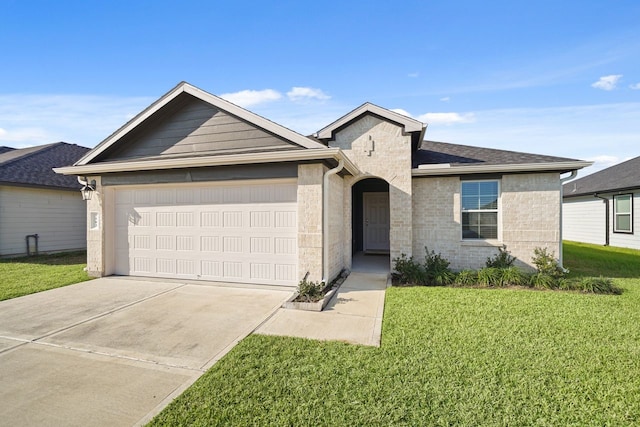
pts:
[436, 268]
[502, 259]
[546, 263]
[543, 281]
[309, 291]
[597, 285]
[490, 277]
[433, 272]
[513, 276]
[407, 271]
[466, 278]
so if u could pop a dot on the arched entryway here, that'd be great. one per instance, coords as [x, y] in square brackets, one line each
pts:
[370, 224]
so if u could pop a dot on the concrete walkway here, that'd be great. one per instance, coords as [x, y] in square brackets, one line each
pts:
[354, 315]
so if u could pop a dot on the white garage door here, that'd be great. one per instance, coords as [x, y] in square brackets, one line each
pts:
[220, 232]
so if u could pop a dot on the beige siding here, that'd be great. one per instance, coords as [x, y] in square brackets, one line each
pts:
[336, 226]
[583, 220]
[529, 218]
[58, 217]
[380, 149]
[197, 128]
[309, 196]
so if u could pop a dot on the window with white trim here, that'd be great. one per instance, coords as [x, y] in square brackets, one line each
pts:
[480, 209]
[622, 213]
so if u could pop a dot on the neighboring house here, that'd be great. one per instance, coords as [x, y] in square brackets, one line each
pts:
[195, 187]
[602, 208]
[36, 200]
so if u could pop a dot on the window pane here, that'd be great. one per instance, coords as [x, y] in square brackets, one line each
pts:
[470, 202]
[489, 232]
[488, 218]
[488, 202]
[489, 188]
[623, 222]
[470, 188]
[623, 204]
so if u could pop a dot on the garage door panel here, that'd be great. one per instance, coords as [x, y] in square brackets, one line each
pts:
[230, 233]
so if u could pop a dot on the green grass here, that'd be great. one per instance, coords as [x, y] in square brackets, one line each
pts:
[27, 275]
[449, 356]
[583, 259]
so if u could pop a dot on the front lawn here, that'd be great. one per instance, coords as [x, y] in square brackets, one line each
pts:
[27, 275]
[449, 356]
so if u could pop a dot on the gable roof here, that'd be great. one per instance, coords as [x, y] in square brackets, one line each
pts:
[440, 158]
[33, 166]
[621, 177]
[217, 102]
[410, 125]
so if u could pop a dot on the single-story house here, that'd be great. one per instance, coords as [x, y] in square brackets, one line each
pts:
[196, 187]
[599, 208]
[34, 200]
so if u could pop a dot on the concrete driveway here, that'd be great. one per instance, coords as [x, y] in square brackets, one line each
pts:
[114, 351]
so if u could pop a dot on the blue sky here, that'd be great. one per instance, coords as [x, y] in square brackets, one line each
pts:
[551, 77]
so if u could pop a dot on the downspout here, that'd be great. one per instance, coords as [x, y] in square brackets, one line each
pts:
[325, 219]
[574, 173]
[606, 220]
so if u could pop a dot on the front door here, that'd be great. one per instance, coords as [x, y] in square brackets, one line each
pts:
[376, 222]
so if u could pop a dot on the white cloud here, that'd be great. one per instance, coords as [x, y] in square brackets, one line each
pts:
[635, 86]
[604, 161]
[576, 131]
[305, 93]
[401, 111]
[28, 120]
[607, 82]
[445, 99]
[447, 118]
[247, 98]
[413, 75]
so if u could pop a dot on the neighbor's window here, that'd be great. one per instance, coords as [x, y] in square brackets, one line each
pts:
[622, 211]
[480, 209]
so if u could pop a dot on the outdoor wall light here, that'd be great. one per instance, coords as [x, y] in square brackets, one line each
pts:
[88, 189]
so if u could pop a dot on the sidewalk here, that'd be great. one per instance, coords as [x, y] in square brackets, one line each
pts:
[354, 315]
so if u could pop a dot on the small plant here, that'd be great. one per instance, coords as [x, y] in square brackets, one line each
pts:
[436, 269]
[597, 285]
[466, 278]
[502, 259]
[546, 263]
[489, 276]
[513, 276]
[309, 291]
[407, 271]
[543, 281]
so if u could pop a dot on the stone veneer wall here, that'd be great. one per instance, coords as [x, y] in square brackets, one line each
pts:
[336, 226]
[390, 160]
[310, 220]
[529, 218]
[95, 238]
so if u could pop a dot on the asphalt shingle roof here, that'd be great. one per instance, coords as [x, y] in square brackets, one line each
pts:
[623, 176]
[432, 152]
[5, 149]
[33, 165]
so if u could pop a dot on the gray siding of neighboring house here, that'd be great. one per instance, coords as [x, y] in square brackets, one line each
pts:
[196, 128]
[583, 220]
[626, 240]
[57, 216]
